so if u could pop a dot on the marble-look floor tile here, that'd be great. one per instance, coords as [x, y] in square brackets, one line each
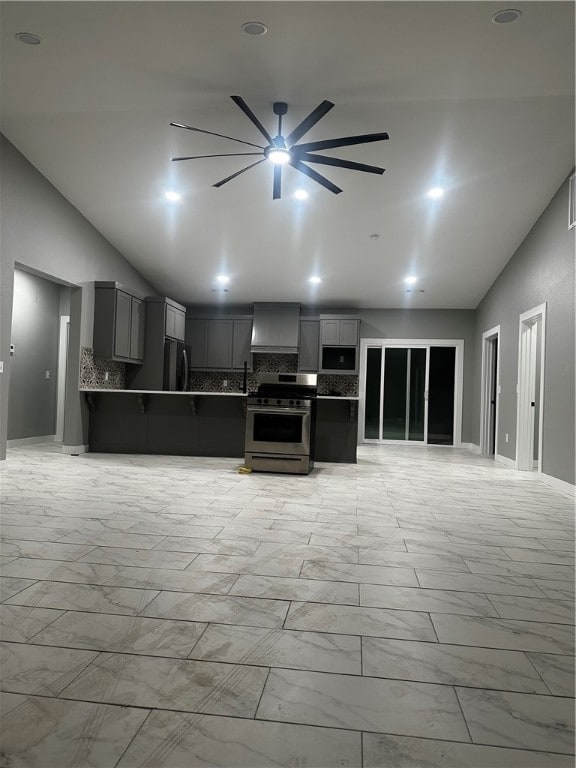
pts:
[431, 600]
[362, 703]
[360, 574]
[122, 634]
[359, 620]
[176, 581]
[207, 546]
[45, 549]
[267, 565]
[309, 552]
[456, 550]
[174, 740]
[519, 719]
[84, 597]
[368, 542]
[61, 570]
[193, 686]
[11, 586]
[40, 732]
[504, 633]
[406, 752]
[556, 590]
[449, 664]
[540, 556]
[264, 534]
[145, 558]
[533, 608]
[471, 582]
[20, 623]
[556, 671]
[39, 669]
[280, 648]
[413, 560]
[296, 589]
[108, 539]
[222, 609]
[521, 568]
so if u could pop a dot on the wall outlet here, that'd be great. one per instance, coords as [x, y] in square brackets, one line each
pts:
[47, 374]
[507, 437]
[106, 375]
[12, 348]
[224, 383]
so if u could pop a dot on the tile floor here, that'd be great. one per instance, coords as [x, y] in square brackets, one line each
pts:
[414, 610]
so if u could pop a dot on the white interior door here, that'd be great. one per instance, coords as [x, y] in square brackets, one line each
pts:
[61, 385]
[531, 356]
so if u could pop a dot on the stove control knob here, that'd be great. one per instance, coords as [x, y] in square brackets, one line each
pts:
[291, 402]
[266, 401]
[297, 402]
[259, 400]
[278, 402]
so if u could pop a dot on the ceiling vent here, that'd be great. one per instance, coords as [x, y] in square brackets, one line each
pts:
[572, 202]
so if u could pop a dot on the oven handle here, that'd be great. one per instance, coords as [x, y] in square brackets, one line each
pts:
[265, 409]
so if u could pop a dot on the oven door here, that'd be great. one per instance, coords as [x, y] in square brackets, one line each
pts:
[278, 430]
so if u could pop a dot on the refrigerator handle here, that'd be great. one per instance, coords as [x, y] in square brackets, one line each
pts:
[185, 362]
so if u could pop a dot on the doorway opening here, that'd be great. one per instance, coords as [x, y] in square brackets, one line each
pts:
[411, 391]
[530, 411]
[490, 392]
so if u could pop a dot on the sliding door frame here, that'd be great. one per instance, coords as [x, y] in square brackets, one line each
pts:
[412, 343]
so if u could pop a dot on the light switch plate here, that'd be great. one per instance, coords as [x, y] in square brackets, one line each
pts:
[1, 366]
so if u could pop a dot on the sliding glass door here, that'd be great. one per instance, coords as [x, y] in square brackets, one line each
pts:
[409, 393]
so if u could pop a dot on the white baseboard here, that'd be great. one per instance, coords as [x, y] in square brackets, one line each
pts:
[559, 485]
[505, 460]
[470, 447]
[30, 440]
[73, 450]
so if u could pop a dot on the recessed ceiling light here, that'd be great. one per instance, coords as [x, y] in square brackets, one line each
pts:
[301, 194]
[222, 279]
[414, 290]
[219, 290]
[506, 16]
[172, 196]
[411, 279]
[315, 279]
[374, 236]
[28, 38]
[435, 193]
[254, 28]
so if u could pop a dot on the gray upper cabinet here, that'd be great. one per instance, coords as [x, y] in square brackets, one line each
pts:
[219, 343]
[241, 340]
[308, 347]
[340, 331]
[119, 323]
[175, 322]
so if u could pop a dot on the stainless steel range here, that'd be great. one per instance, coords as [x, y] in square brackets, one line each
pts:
[280, 423]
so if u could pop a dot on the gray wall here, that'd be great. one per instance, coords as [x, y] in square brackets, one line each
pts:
[35, 330]
[42, 231]
[541, 270]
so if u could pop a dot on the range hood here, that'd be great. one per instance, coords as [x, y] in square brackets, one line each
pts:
[276, 328]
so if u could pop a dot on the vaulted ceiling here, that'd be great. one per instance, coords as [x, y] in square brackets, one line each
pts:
[483, 110]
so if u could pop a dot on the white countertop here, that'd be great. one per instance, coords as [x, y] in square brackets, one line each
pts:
[210, 394]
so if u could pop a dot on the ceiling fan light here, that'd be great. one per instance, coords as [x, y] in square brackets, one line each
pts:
[279, 156]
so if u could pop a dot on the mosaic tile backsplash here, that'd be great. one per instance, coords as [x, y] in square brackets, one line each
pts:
[92, 372]
[92, 375]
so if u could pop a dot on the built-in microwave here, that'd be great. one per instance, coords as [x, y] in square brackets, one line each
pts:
[338, 358]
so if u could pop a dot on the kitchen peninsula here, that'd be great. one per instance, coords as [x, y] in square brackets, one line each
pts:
[200, 423]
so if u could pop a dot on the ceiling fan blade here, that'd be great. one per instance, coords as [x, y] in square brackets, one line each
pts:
[211, 133]
[295, 163]
[233, 154]
[338, 163]
[346, 141]
[229, 178]
[239, 101]
[277, 187]
[314, 116]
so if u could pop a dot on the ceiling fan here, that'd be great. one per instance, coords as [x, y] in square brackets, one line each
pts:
[284, 150]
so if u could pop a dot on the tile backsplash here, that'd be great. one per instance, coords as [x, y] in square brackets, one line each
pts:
[93, 370]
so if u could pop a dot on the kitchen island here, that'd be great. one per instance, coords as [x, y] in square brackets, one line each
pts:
[202, 424]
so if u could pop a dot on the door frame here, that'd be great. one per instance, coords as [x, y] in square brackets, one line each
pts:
[458, 385]
[524, 390]
[61, 378]
[485, 390]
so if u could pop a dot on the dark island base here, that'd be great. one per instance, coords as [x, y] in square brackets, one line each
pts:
[202, 425]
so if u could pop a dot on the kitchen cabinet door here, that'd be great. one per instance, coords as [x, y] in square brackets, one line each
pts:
[219, 344]
[241, 341]
[123, 318]
[137, 320]
[330, 330]
[196, 337]
[348, 333]
[309, 345]
[175, 322]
